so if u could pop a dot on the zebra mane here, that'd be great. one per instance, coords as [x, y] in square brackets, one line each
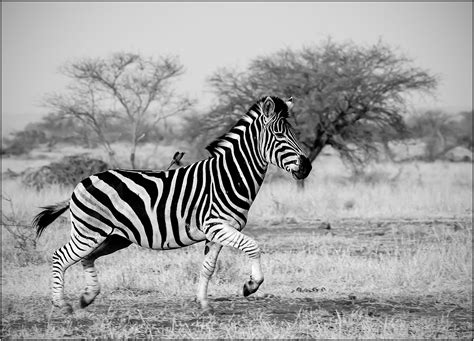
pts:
[255, 111]
[223, 141]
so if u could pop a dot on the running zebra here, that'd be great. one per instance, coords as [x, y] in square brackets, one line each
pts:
[162, 210]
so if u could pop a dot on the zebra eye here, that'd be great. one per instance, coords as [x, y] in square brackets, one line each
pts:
[279, 135]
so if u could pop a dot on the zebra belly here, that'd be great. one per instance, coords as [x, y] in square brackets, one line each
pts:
[182, 235]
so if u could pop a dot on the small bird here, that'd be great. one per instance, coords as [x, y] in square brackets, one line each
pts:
[176, 159]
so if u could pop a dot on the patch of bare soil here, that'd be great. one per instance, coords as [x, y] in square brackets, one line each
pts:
[359, 237]
[150, 313]
[287, 309]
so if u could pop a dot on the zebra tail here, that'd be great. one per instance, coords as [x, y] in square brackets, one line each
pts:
[50, 214]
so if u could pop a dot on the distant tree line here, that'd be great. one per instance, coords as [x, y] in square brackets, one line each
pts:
[54, 129]
[441, 132]
[347, 96]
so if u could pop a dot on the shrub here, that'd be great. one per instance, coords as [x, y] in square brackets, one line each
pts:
[67, 172]
[23, 141]
[20, 247]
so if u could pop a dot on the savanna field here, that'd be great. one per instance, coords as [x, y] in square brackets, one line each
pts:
[383, 254]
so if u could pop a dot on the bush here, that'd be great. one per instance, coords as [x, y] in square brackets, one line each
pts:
[67, 172]
[20, 244]
[23, 141]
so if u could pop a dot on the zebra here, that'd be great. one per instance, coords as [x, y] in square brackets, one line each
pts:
[206, 201]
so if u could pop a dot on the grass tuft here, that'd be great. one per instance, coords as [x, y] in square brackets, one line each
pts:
[393, 259]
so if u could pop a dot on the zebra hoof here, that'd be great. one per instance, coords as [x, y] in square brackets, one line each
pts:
[87, 298]
[250, 287]
[84, 301]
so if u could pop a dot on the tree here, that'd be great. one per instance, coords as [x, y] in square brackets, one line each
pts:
[440, 131]
[125, 89]
[464, 129]
[435, 128]
[346, 96]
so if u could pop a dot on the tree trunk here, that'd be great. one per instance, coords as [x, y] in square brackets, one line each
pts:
[134, 144]
[132, 159]
[316, 149]
[388, 151]
[109, 150]
[300, 185]
[313, 154]
[112, 161]
[132, 154]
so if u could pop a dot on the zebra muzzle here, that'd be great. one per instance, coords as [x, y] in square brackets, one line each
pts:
[304, 168]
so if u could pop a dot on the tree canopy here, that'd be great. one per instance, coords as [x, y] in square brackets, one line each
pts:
[126, 88]
[346, 95]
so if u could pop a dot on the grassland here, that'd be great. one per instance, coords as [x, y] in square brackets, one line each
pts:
[396, 263]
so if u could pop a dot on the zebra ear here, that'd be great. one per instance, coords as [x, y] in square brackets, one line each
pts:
[268, 106]
[289, 103]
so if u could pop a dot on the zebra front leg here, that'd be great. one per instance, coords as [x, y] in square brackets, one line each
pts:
[226, 235]
[211, 252]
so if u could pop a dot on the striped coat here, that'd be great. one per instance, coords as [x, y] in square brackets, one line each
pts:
[207, 200]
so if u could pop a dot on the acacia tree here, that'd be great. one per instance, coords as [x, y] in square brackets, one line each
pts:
[346, 96]
[124, 88]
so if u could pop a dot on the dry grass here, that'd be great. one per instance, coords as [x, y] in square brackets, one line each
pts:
[397, 263]
[420, 190]
[385, 190]
[368, 280]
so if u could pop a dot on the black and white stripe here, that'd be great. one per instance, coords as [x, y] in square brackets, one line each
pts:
[208, 200]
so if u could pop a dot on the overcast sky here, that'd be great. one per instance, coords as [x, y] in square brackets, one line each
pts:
[39, 37]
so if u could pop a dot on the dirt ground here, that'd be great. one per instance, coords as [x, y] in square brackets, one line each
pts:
[146, 313]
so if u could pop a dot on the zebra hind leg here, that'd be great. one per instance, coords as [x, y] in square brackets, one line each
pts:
[63, 258]
[111, 244]
[92, 283]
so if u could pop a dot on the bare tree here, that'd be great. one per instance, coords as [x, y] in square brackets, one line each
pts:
[125, 88]
[347, 96]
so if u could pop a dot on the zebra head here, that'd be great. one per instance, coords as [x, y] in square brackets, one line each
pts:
[278, 143]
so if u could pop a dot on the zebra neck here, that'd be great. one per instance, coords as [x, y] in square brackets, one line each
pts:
[238, 154]
[242, 171]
